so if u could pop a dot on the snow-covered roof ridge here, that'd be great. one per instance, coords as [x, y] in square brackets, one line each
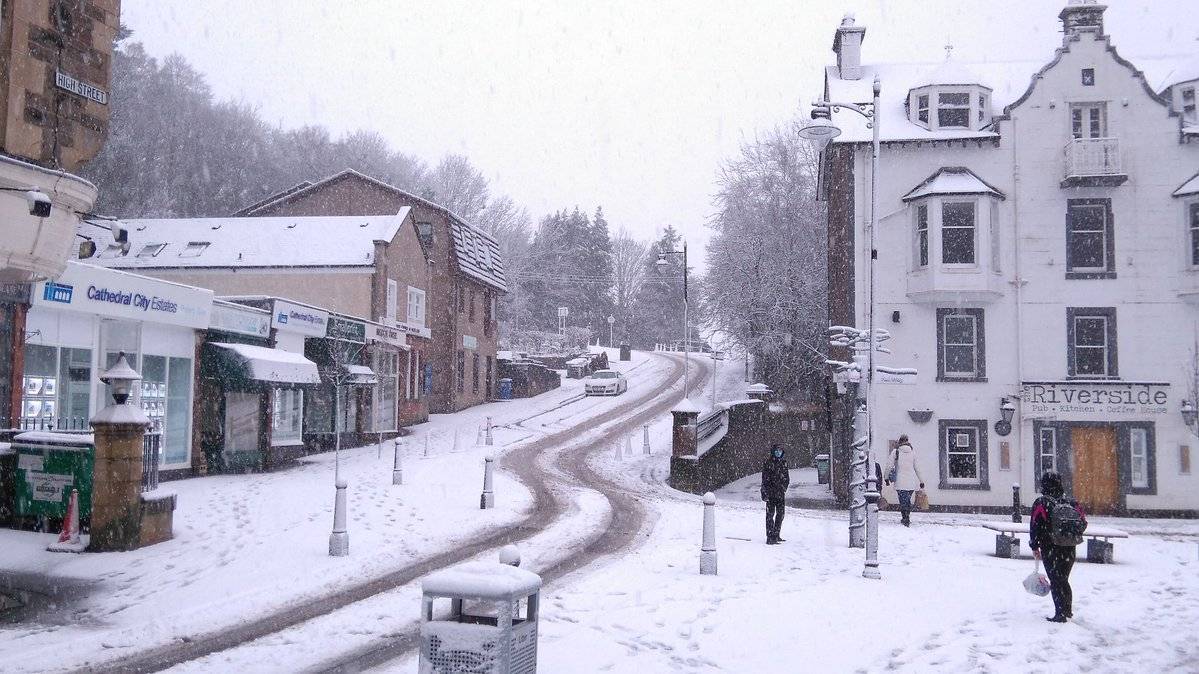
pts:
[953, 180]
[322, 241]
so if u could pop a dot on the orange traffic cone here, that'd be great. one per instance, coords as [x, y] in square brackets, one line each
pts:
[70, 523]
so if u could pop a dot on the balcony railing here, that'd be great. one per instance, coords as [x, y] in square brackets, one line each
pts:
[1093, 161]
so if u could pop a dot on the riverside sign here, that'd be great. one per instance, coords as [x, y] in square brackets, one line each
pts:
[1107, 398]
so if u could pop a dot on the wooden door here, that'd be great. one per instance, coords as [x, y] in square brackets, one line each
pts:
[1095, 482]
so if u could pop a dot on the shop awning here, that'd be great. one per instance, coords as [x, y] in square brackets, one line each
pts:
[260, 363]
[359, 375]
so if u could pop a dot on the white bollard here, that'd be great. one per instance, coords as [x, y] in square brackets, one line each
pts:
[487, 500]
[628, 445]
[426, 444]
[487, 440]
[339, 540]
[645, 448]
[455, 440]
[397, 466]
[707, 551]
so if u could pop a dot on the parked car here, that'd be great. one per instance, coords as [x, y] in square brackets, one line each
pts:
[606, 382]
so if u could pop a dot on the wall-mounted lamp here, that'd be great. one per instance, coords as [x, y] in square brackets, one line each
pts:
[1189, 414]
[1007, 409]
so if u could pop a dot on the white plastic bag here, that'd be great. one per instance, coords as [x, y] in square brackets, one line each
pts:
[1036, 583]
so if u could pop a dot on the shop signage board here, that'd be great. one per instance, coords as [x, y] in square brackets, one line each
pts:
[108, 292]
[241, 320]
[416, 330]
[386, 335]
[1109, 399]
[290, 317]
[346, 330]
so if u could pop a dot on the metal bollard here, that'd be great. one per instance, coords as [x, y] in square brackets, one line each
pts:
[397, 466]
[488, 439]
[645, 448]
[339, 540]
[870, 570]
[1016, 502]
[487, 500]
[707, 550]
[628, 445]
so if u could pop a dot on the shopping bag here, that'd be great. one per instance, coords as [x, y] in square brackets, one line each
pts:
[921, 500]
[882, 503]
[1036, 583]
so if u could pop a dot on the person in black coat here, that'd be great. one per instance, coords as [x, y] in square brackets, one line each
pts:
[1058, 559]
[775, 480]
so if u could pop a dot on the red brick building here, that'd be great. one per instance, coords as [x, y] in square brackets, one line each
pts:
[467, 277]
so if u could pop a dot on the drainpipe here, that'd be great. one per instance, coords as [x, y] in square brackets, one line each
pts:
[1019, 298]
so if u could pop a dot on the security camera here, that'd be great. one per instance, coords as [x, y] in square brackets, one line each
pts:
[39, 203]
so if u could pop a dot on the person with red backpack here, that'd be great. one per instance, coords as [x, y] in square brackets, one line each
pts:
[1055, 528]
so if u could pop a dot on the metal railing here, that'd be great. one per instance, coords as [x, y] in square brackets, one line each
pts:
[54, 424]
[151, 446]
[1093, 157]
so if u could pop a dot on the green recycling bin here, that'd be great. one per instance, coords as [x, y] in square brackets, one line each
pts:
[821, 461]
[49, 466]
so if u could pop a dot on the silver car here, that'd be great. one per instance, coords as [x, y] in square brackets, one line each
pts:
[606, 382]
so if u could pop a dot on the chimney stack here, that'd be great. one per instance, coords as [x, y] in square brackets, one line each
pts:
[1081, 16]
[848, 46]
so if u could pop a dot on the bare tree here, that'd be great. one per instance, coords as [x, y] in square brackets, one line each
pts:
[628, 273]
[456, 184]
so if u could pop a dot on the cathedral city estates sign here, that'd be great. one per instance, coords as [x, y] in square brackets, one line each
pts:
[1100, 398]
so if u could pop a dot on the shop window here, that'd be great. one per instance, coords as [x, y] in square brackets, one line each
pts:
[39, 396]
[241, 423]
[922, 236]
[1091, 342]
[386, 391]
[1138, 455]
[953, 110]
[961, 345]
[958, 232]
[474, 370]
[287, 417]
[963, 447]
[1090, 239]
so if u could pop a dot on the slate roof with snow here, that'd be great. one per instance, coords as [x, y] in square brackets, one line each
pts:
[1007, 80]
[476, 252]
[952, 180]
[342, 241]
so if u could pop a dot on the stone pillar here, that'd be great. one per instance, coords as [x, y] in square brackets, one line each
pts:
[116, 485]
[683, 441]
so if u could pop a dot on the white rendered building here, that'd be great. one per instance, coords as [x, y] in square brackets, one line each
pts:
[1037, 242]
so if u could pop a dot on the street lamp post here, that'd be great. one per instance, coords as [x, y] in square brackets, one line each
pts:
[611, 322]
[686, 325]
[822, 130]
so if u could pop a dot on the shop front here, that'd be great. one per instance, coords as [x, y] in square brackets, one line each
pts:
[386, 347]
[341, 404]
[1103, 437]
[76, 328]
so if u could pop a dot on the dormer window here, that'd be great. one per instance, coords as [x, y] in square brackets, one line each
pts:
[953, 110]
[1188, 105]
[922, 108]
[950, 98]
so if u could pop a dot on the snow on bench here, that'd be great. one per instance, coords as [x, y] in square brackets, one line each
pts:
[1100, 549]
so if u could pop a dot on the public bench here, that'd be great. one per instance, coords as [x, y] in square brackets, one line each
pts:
[1100, 549]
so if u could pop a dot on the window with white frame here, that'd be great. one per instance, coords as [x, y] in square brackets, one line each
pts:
[287, 417]
[958, 241]
[1088, 120]
[953, 109]
[1138, 454]
[416, 306]
[1188, 105]
[960, 345]
[1091, 341]
[921, 236]
[1046, 451]
[963, 446]
[386, 367]
[1193, 231]
[983, 110]
[922, 108]
[1090, 240]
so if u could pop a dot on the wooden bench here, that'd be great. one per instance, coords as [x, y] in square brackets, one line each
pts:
[1100, 549]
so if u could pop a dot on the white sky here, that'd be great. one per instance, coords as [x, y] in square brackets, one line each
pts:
[628, 104]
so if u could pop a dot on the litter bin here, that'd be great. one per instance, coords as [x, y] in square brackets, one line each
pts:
[626, 352]
[505, 389]
[49, 466]
[491, 625]
[821, 461]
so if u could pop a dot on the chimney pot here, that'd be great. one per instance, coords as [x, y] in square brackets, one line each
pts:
[847, 44]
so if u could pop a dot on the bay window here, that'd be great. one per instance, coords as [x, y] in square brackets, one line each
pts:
[958, 232]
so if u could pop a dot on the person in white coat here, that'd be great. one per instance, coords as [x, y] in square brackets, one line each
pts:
[903, 471]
